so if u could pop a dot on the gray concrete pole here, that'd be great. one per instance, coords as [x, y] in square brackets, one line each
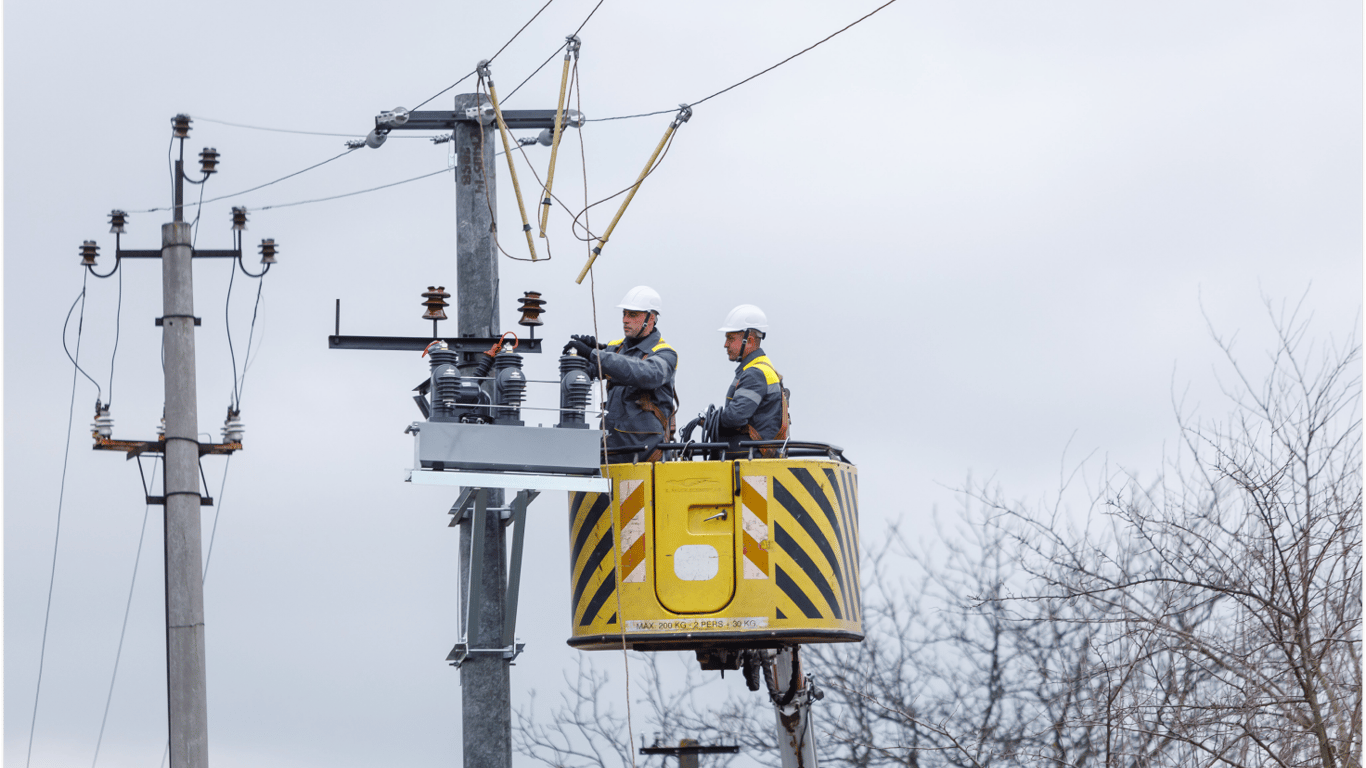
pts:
[185, 673]
[485, 695]
[796, 737]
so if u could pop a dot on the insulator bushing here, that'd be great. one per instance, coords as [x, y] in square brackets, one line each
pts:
[117, 220]
[509, 388]
[104, 423]
[208, 161]
[180, 126]
[576, 389]
[434, 299]
[233, 428]
[239, 219]
[89, 251]
[445, 389]
[532, 307]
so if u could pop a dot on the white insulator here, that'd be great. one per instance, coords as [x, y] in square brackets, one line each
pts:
[161, 429]
[104, 424]
[233, 429]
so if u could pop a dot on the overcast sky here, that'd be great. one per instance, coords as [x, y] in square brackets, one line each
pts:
[988, 237]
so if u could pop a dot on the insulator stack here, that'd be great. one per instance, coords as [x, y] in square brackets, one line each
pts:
[104, 423]
[533, 306]
[180, 125]
[117, 221]
[509, 388]
[233, 428]
[268, 251]
[445, 387]
[434, 299]
[208, 161]
[89, 250]
[575, 391]
[239, 219]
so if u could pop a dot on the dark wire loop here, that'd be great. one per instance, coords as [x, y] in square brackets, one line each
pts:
[117, 260]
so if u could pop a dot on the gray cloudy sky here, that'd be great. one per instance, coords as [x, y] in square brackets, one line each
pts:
[984, 233]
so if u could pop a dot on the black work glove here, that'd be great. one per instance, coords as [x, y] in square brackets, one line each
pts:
[583, 350]
[591, 341]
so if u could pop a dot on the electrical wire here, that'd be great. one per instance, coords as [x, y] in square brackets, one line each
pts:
[61, 498]
[757, 74]
[557, 50]
[490, 59]
[127, 609]
[80, 299]
[213, 532]
[246, 362]
[118, 322]
[352, 194]
[260, 186]
[277, 130]
[227, 326]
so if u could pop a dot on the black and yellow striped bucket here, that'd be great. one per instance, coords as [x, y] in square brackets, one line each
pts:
[688, 555]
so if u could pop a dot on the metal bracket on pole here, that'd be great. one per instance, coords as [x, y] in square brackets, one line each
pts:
[475, 593]
[519, 505]
[462, 651]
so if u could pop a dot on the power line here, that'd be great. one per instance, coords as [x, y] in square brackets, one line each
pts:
[260, 186]
[757, 74]
[352, 194]
[552, 56]
[491, 58]
[795, 55]
[127, 609]
[277, 130]
[61, 497]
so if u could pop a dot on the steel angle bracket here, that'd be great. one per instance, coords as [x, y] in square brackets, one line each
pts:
[462, 652]
[475, 500]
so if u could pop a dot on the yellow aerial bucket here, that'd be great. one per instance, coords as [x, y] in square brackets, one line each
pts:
[695, 555]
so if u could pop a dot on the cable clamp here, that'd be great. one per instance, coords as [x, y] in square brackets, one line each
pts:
[482, 68]
[684, 114]
[159, 319]
[573, 42]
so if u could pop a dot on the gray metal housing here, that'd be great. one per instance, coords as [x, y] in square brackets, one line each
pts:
[496, 448]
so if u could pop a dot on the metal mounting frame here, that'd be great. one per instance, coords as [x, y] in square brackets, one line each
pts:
[475, 501]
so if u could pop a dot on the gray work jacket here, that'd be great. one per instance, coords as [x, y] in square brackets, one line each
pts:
[755, 399]
[636, 368]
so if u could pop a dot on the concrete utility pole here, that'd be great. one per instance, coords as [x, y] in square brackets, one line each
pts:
[186, 687]
[485, 679]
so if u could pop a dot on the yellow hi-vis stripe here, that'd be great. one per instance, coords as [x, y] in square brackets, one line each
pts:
[754, 525]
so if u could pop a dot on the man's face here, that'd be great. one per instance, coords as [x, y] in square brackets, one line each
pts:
[636, 323]
[735, 340]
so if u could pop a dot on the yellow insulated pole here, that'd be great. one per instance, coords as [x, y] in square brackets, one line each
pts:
[573, 42]
[507, 150]
[684, 113]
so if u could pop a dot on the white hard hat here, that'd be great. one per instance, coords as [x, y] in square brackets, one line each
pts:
[641, 298]
[744, 317]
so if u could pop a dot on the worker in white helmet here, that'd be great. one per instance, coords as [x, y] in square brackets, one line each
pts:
[756, 403]
[639, 370]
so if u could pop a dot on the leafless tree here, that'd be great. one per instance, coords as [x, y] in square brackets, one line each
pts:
[585, 730]
[1227, 596]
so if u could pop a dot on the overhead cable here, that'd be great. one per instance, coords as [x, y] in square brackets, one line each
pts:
[259, 186]
[557, 50]
[491, 58]
[61, 497]
[351, 194]
[127, 609]
[274, 130]
[757, 74]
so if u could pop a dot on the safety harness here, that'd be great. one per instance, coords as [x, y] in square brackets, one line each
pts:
[647, 403]
[771, 377]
